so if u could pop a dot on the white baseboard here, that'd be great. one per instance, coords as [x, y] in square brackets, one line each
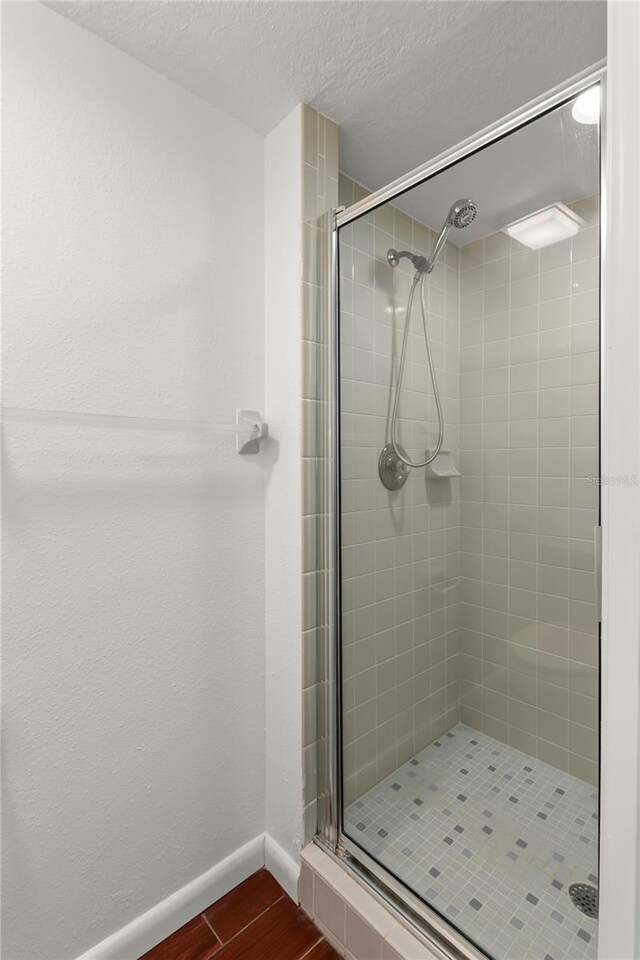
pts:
[133, 940]
[282, 866]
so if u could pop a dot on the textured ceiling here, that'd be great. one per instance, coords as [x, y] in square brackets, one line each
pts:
[405, 80]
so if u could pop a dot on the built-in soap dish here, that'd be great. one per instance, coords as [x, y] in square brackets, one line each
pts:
[442, 467]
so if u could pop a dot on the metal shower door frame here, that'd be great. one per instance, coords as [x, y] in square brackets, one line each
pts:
[445, 940]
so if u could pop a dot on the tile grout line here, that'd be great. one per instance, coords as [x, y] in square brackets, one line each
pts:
[210, 927]
[247, 925]
[320, 939]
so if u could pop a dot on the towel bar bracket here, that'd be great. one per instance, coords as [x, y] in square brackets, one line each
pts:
[261, 430]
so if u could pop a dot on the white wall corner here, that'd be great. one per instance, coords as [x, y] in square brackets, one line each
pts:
[284, 868]
[283, 507]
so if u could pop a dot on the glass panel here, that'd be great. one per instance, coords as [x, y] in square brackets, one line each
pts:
[469, 634]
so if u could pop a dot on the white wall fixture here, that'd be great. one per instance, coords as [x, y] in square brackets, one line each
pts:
[545, 227]
[258, 430]
[249, 428]
[442, 467]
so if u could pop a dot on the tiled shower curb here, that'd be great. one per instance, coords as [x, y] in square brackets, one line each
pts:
[350, 918]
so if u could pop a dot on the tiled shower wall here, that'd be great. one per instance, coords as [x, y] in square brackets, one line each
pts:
[320, 195]
[497, 565]
[400, 549]
[529, 361]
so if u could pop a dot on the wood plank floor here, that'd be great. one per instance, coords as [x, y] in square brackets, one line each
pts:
[256, 921]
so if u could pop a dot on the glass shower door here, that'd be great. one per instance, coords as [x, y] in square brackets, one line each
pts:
[469, 631]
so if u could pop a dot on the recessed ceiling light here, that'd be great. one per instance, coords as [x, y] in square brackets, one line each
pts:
[544, 227]
[586, 109]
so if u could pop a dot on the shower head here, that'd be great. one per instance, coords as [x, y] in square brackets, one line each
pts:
[461, 214]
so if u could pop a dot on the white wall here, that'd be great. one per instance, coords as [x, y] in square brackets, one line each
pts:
[133, 567]
[619, 926]
[283, 556]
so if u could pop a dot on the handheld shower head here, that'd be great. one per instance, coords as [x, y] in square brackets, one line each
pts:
[461, 214]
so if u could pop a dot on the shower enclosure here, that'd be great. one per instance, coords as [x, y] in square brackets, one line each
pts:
[461, 721]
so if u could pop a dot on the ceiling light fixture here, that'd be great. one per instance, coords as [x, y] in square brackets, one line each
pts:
[544, 227]
[586, 108]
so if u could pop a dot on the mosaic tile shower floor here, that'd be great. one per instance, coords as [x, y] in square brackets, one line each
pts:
[491, 838]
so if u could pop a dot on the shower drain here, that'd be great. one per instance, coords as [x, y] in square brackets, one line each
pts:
[585, 898]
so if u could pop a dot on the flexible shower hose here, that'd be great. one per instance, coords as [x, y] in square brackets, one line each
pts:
[418, 279]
